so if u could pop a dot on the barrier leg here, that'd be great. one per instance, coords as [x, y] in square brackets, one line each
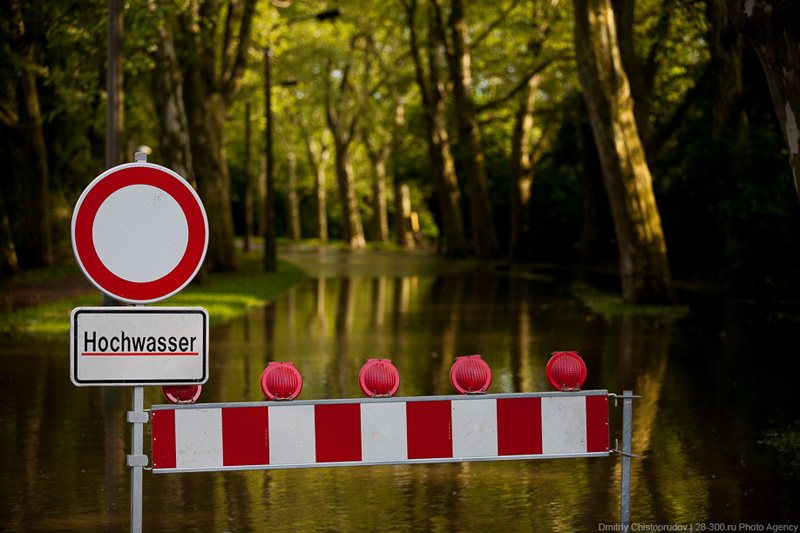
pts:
[136, 460]
[627, 439]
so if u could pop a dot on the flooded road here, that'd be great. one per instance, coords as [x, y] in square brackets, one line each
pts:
[718, 423]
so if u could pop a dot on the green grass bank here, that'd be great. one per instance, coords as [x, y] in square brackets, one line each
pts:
[225, 295]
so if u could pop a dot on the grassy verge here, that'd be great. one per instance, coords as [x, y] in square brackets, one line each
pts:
[225, 296]
[611, 305]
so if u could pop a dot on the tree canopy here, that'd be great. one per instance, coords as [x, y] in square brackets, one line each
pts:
[470, 114]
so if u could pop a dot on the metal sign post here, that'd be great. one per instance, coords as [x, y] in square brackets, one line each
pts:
[137, 417]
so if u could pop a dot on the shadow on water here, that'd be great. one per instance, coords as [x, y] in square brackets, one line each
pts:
[711, 424]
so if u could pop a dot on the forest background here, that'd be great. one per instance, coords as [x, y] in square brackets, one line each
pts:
[657, 137]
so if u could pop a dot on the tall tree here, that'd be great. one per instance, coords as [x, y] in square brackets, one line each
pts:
[292, 199]
[115, 92]
[213, 62]
[317, 155]
[36, 248]
[644, 270]
[726, 45]
[773, 28]
[653, 61]
[167, 89]
[440, 156]
[459, 61]
[526, 148]
[378, 152]
[8, 253]
[404, 236]
[343, 127]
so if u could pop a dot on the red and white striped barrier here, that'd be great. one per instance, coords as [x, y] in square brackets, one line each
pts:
[267, 435]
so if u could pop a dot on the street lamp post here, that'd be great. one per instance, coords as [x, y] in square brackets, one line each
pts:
[270, 246]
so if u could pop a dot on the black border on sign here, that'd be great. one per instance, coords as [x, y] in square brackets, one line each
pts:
[132, 310]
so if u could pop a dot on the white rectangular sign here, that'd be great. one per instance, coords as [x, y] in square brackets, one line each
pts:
[138, 346]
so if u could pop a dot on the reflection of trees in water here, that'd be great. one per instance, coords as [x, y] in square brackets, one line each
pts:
[481, 297]
[447, 300]
[379, 288]
[666, 485]
[269, 333]
[338, 378]
[520, 338]
[400, 301]
[378, 343]
[317, 323]
[247, 374]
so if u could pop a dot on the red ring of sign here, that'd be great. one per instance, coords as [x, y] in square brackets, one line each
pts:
[99, 274]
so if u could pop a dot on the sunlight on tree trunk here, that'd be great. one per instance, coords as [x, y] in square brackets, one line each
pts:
[378, 155]
[448, 192]
[173, 128]
[402, 210]
[343, 130]
[291, 197]
[213, 65]
[644, 270]
[404, 236]
[469, 135]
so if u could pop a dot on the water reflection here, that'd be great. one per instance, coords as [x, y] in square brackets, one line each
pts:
[700, 423]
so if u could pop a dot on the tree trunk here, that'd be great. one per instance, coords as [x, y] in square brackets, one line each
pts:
[294, 204]
[270, 238]
[440, 157]
[726, 45]
[343, 135]
[773, 28]
[379, 227]
[173, 128]
[380, 215]
[402, 210]
[249, 186]
[321, 178]
[319, 165]
[35, 247]
[8, 253]
[206, 114]
[402, 197]
[115, 106]
[352, 229]
[213, 70]
[469, 134]
[644, 270]
[520, 246]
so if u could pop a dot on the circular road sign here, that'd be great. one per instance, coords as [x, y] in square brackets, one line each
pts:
[139, 232]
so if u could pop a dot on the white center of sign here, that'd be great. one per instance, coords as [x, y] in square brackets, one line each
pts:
[150, 223]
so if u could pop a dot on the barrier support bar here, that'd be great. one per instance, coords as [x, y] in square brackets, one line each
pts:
[627, 440]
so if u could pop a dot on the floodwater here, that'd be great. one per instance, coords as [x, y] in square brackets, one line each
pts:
[717, 424]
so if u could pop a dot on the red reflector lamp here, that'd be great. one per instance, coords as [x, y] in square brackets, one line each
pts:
[470, 375]
[566, 371]
[379, 378]
[181, 393]
[281, 381]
